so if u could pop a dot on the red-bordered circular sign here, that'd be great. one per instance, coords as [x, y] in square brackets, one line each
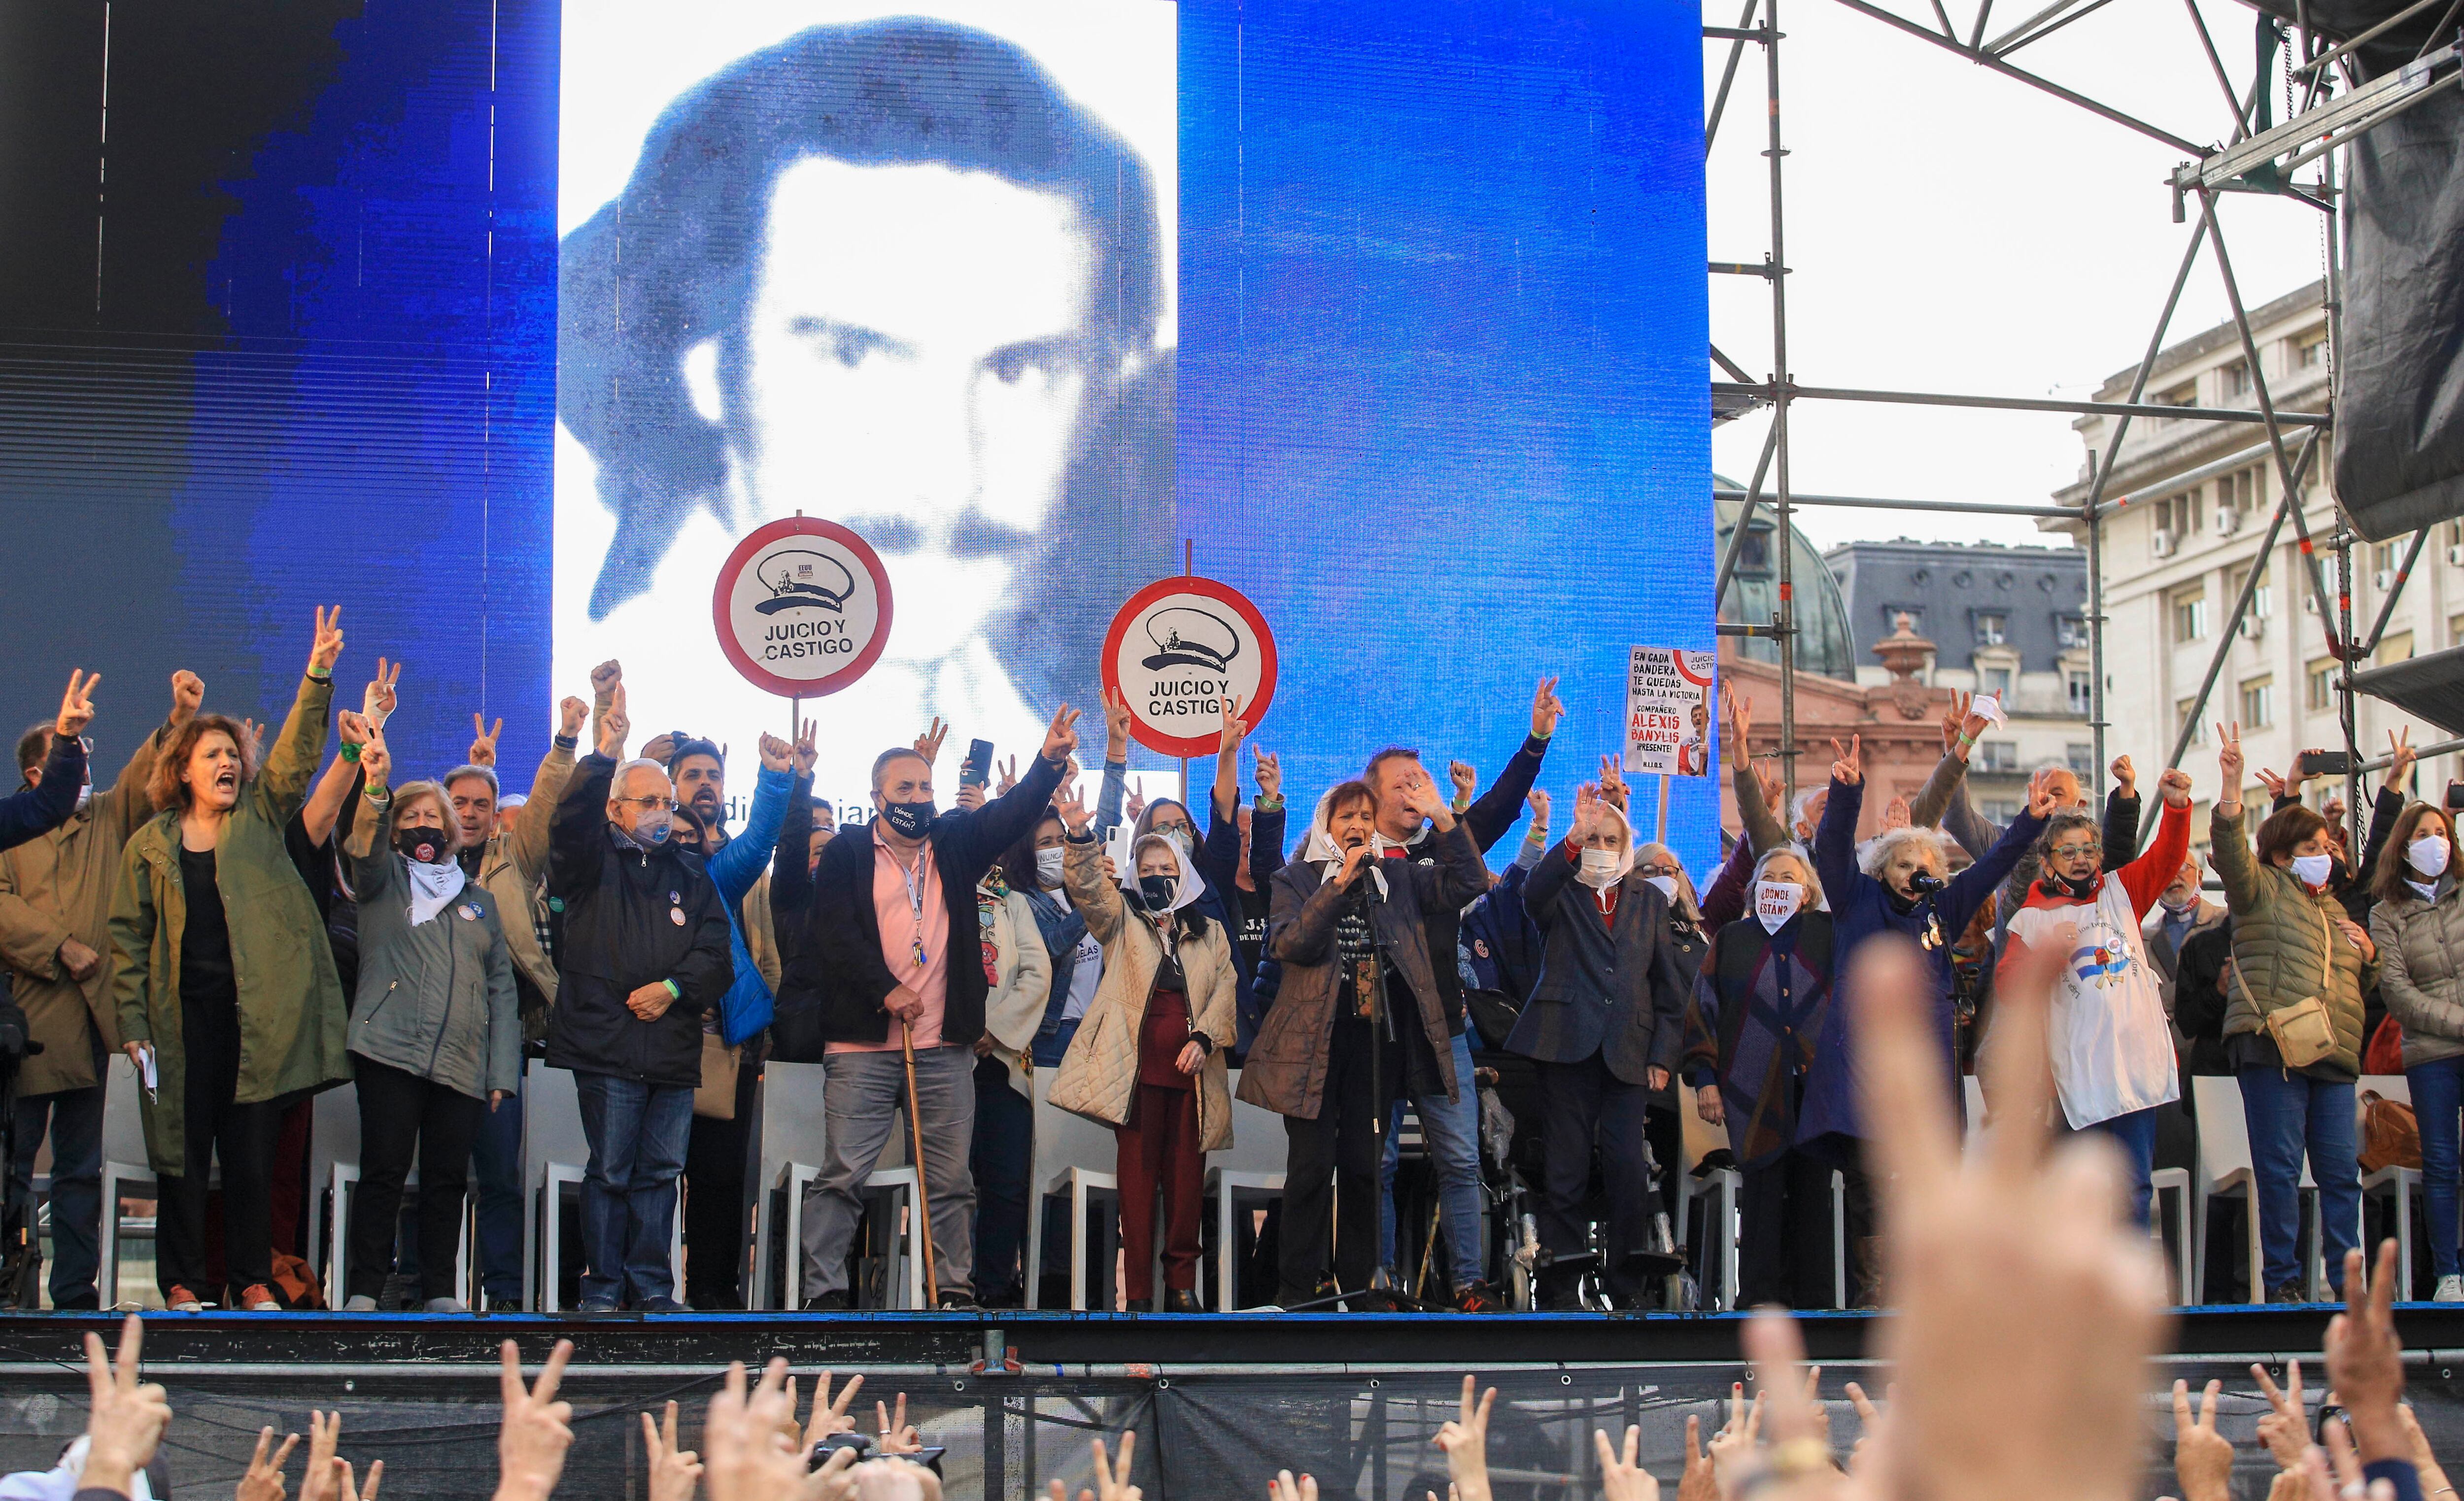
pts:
[1177, 650]
[801, 608]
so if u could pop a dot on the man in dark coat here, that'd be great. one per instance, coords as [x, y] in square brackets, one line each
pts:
[893, 955]
[642, 955]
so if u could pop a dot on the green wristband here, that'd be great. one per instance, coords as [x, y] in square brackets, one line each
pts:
[350, 752]
[673, 994]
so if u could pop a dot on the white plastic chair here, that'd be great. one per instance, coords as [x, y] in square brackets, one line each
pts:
[125, 1167]
[2400, 1184]
[1063, 1144]
[343, 1181]
[2176, 1181]
[791, 1127]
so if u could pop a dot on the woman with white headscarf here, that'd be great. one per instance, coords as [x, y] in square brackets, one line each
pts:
[1604, 1025]
[1148, 1060]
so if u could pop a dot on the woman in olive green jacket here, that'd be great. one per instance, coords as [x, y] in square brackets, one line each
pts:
[2292, 941]
[223, 981]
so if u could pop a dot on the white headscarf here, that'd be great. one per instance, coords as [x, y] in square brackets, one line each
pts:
[1325, 853]
[59, 1483]
[1625, 856]
[1186, 885]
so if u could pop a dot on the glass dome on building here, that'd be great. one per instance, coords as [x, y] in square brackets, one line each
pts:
[1823, 643]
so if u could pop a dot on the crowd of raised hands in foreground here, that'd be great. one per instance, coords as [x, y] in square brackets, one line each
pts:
[2029, 1309]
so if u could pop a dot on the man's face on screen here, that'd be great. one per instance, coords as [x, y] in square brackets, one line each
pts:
[916, 352]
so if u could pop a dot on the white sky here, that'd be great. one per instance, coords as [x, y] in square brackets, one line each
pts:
[1954, 229]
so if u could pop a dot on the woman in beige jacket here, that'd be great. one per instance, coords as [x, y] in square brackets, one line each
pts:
[1148, 1060]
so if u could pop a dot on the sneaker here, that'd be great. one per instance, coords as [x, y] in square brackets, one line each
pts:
[504, 1305]
[2287, 1292]
[826, 1302]
[592, 1306]
[958, 1300]
[259, 1299]
[660, 1306]
[2450, 1290]
[1476, 1297]
[180, 1300]
[360, 1303]
[446, 1306]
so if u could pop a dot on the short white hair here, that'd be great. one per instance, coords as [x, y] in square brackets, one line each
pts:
[616, 783]
[1796, 811]
[1797, 854]
[1877, 851]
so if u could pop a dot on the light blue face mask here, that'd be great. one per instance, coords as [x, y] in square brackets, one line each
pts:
[651, 829]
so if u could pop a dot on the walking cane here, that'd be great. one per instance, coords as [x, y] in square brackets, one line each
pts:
[923, 1194]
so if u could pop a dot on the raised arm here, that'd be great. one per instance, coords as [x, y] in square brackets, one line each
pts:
[1764, 830]
[529, 844]
[1266, 817]
[2121, 816]
[2146, 878]
[282, 784]
[1724, 900]
[742, 862]
[1496, 810]
[371, 861]
[1835, 840]
[40, 809]
[1967, 891]
[340, 782]
[974, 840]
[574, 841]
[1095, 895]
[129, 799]
[1116, 765]
[2229, 846]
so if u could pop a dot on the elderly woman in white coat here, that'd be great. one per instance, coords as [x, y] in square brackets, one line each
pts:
[1147, 1060]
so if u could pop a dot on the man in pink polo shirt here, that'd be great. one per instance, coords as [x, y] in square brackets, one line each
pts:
[894, 942]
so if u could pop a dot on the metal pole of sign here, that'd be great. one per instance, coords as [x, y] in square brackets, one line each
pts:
[1660, 834]
[1188, 570]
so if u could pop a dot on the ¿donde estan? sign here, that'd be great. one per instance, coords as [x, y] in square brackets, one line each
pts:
[802, 606]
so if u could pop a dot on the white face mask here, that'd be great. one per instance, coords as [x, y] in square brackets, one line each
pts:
[2312, 869]
[1775, 902]
[1668, 885]
[1599, 865]
[1047, 866]
[2178, 906]
[2428, 855]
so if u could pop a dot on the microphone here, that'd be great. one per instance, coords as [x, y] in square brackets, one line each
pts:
[1925, 883]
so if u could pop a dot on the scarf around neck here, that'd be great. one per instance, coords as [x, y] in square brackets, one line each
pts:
[431, 887]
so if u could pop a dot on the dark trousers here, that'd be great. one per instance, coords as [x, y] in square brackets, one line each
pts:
[496, 1183]
[1331, 1176]
[400, 1111]
[716, 1209]
[74, 1117]
[1783, 1243]
[1002, 1158]
[241, 1136]
[1158, 1151]
[1583, 1105]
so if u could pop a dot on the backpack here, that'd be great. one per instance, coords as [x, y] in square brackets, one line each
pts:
[2390, 1134]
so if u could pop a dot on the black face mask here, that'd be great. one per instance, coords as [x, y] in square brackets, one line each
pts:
[2080, 889]
[1156, 891]
[427, 845]
[909, 820]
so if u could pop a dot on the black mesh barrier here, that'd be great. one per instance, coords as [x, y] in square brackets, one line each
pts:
[1202, 1437]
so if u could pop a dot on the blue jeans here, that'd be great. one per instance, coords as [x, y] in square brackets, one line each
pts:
[496, 1177]
[2136, 1134]
[1451, 1129]
[2438, 1096]
[75, 1119]
[637, 1134]
[2288, 1112]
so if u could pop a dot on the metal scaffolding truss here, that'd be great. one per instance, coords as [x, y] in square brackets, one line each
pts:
[2332, 109]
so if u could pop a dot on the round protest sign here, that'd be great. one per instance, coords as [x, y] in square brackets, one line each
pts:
[1178, 652]
[802, 606]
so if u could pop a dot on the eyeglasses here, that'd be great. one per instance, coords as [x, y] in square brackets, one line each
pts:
[2072, 851]
[654, 805]
[1660, 870]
